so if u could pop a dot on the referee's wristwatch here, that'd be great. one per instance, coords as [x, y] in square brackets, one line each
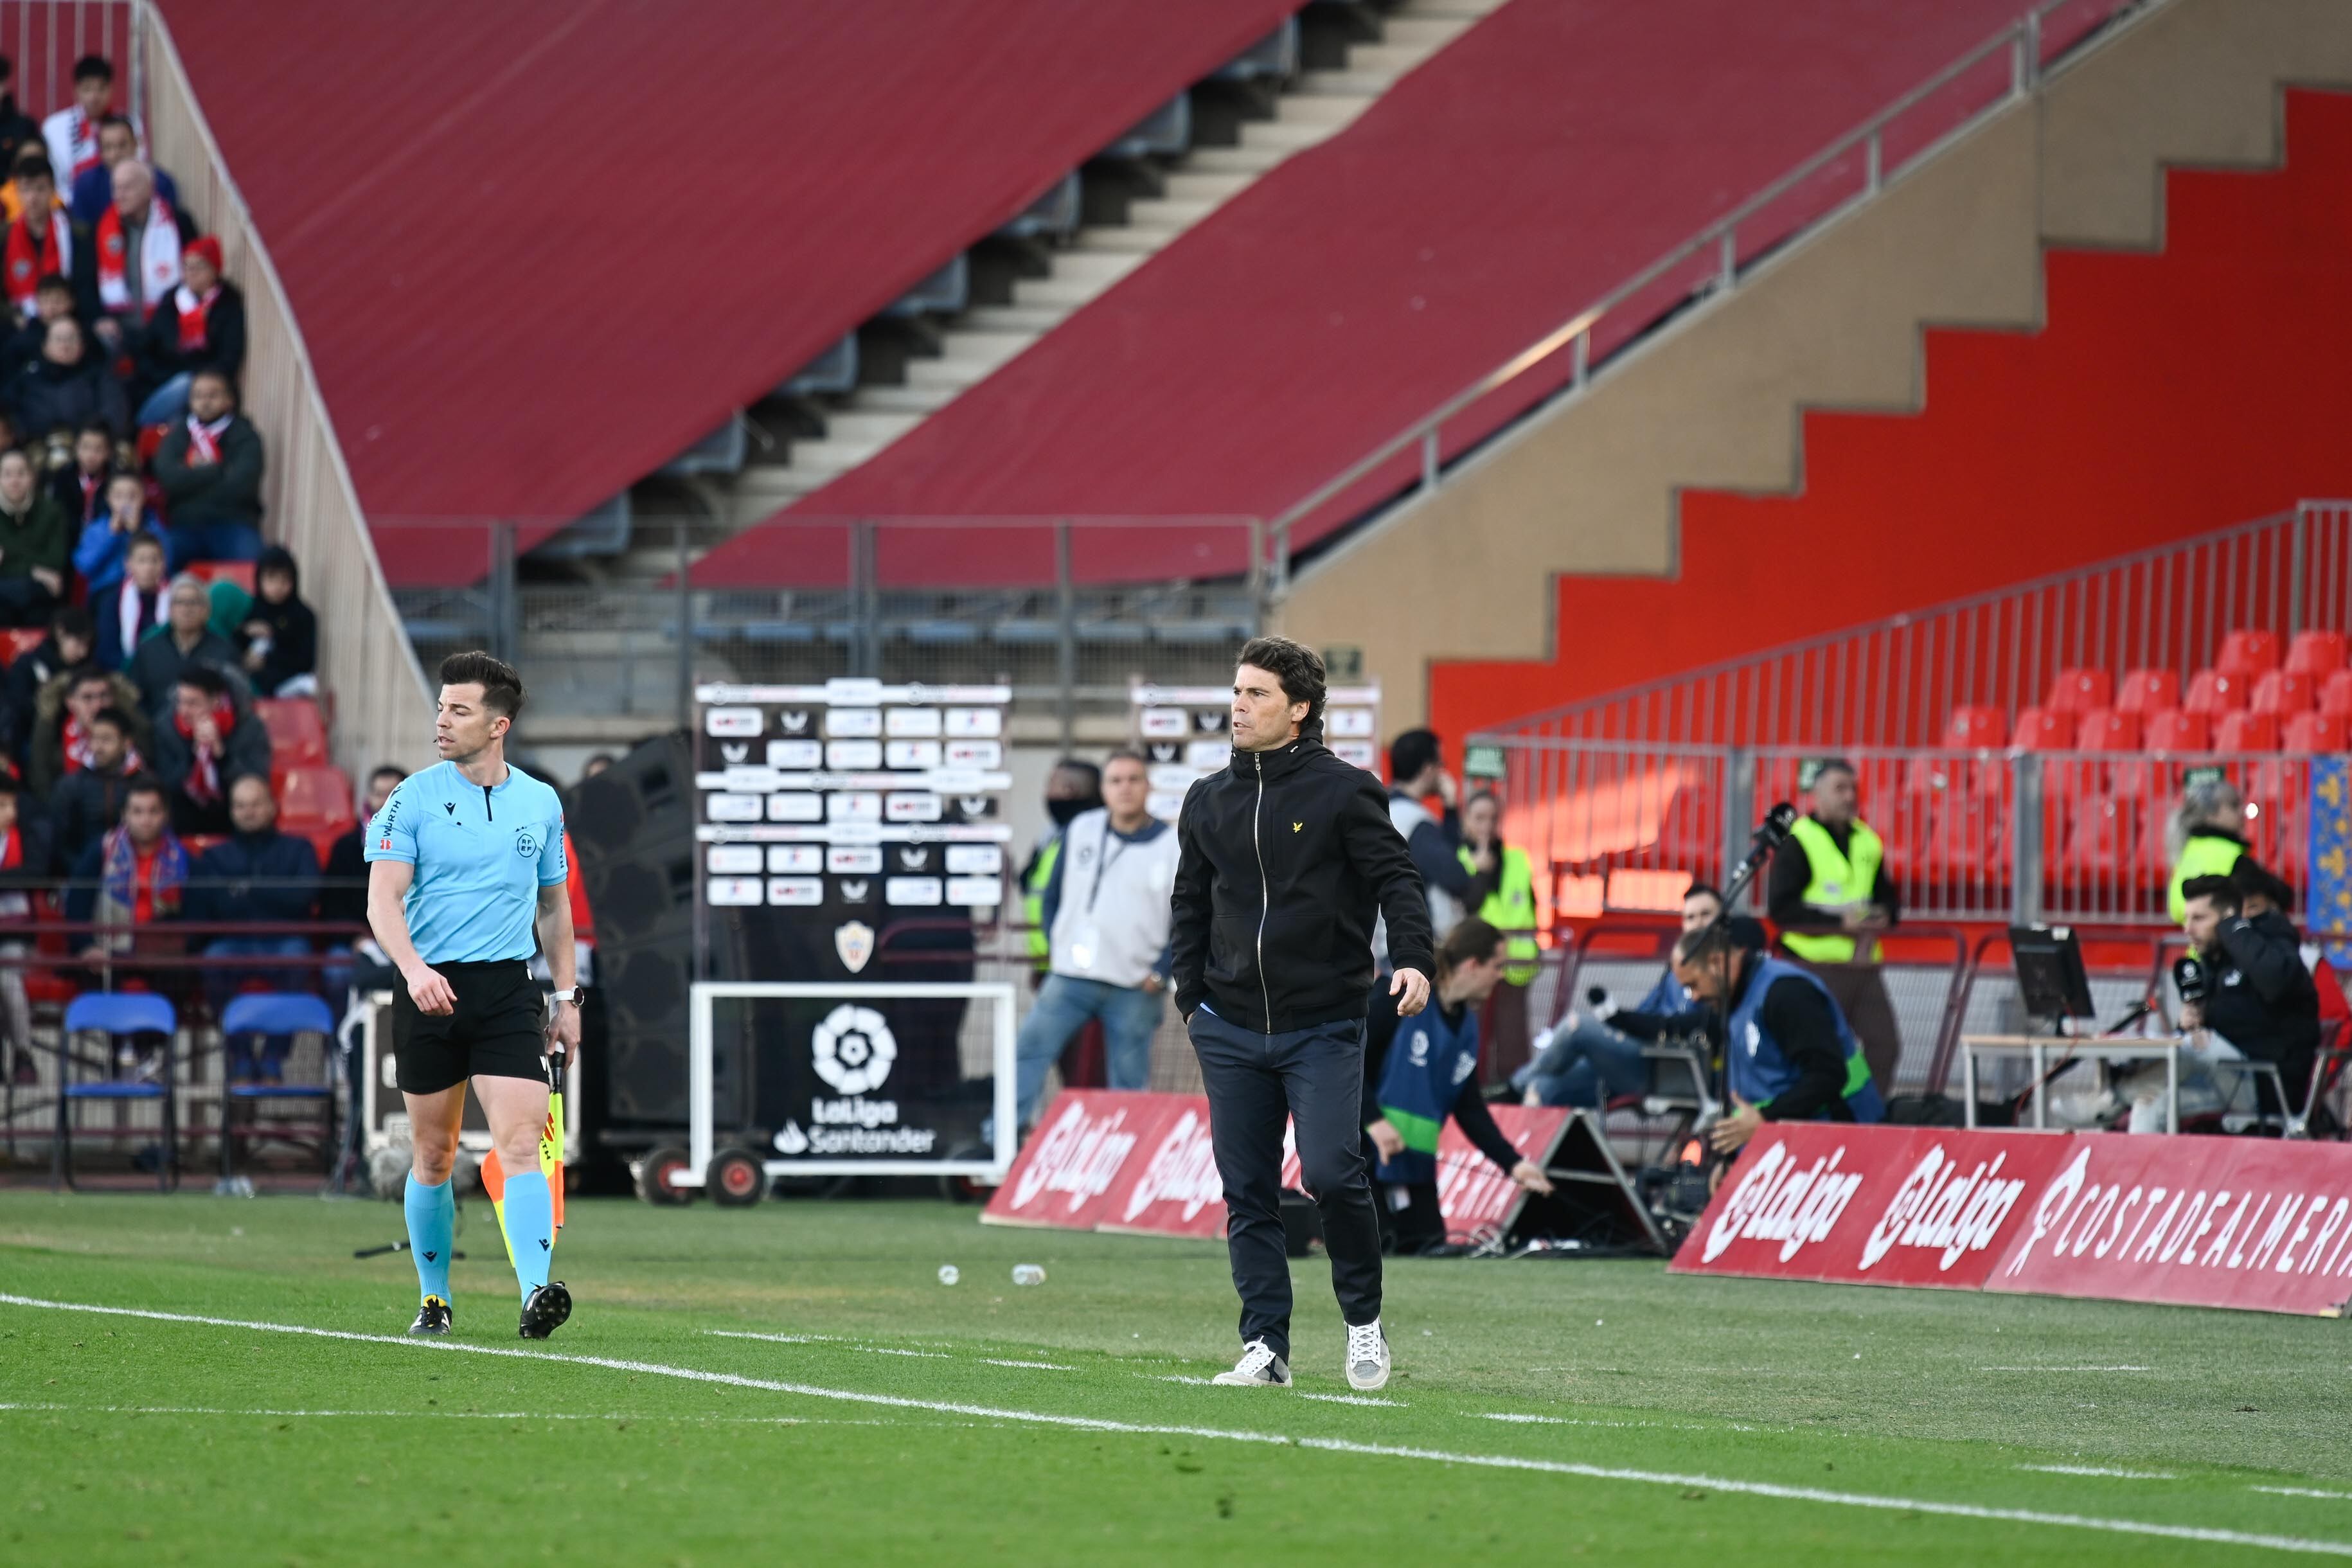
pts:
[575, 996]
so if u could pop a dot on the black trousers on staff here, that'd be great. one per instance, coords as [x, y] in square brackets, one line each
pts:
[1315, 1076]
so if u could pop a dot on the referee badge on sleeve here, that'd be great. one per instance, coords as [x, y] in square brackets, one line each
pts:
[525, 842]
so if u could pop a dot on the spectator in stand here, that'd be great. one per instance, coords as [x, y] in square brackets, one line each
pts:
[53, 296]
[200, 323]
[1510, 909]
[33, 546]
[187, 638]
[130, 881]
[68, 645]
[90, 798]
[279, 639]
[18, 130]
[43, 242]
[81, 486]
[210, 468]
[68, 387]
[72, 134]
[102, 555]
[133, 606]
[89, 192]
[212, 740]
[139, 240]
[68, 706]
[1828, 883]
[24, 860]
[1107, 912]
[1436, 1076]
[1792, 1057]
[259, 874]
[2207, 835]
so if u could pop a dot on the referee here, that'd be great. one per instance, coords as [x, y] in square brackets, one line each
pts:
[460, 857]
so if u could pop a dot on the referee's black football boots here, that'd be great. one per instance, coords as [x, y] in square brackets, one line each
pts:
[545, 1310]
[432, 1319]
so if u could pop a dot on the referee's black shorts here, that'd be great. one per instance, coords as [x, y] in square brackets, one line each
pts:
[499, 1028]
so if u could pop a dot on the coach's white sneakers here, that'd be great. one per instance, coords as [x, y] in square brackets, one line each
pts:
[1368, 1357]
[1258, 1368]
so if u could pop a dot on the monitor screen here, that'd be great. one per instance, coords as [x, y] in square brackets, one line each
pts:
[2051, 980]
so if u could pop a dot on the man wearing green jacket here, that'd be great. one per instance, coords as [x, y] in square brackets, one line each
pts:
[2209, 834]
[1830, 896]
[1510, 909]
[34, 549]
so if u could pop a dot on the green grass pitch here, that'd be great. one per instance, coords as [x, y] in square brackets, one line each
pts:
[1540, 1410]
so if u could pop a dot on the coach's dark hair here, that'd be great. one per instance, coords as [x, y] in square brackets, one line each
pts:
[502, 690]
[2222, 891]
[1412, 752]
[1471, 941]
[1299, 667]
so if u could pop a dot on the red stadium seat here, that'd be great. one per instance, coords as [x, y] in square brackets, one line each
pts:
[2280, 692]
[2248, 653]
[2316, 653]
[298, 733]
[18, 641]
[2148, 691]
[2175, 731]
[2099, 840]
[238, 571]
[1973, 730]
[2081, 690]
[2039, 730]
[2335, 694]
[314, 798]
[2103, 730]
[2315, 732]
[2210, 691]
[2247, 732]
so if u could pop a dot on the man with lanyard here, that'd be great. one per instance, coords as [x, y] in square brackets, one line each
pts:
[1787, 1054]
[1106, 905]
[460, 857]
[1828, 883]
[1432, 1073]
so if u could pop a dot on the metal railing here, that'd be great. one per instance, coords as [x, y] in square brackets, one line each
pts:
[1852, 170]
[1898, 681]
[381, 706]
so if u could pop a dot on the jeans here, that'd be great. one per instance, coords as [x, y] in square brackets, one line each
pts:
[220, 984]
[222, 541]
[2207, 1084]
[1129, 1014]
[1314, 1077]
[168, 404]
[1583, 1064]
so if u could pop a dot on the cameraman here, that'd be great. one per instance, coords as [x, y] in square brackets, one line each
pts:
[2260, 1005]
[1788, 1054]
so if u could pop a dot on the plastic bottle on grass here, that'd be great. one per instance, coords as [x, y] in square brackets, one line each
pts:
[949, 1274]
[1028, 1274]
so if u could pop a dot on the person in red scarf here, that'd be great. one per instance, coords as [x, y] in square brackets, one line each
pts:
[63, 715]
[81, 486]
[199, 325]
[210, 739]
[210, 467]
[72, 134]
[45, 241]
[139, 240]
[129, 882]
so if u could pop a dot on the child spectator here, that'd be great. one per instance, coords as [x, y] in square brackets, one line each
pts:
[52, 297]
[89, 799]
[70, 134]
[134, 605]
[81, 485]
[102, 555]
[63, 717]
[43, 242]
[200, 323]
[212, 739]
[279, 639]
[210, 468]
[33, 546]
[68, 387]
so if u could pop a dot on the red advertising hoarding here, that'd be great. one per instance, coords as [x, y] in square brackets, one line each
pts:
[2219, 1222]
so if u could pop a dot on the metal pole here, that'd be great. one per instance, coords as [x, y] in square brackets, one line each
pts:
[1261, 606]
[1730, 267]
[1875, 176]
[1429, 459]
[2298, 557]
[1738, 806]
[1581, 349]
[685, 631]
[505, 617]
[2025, 842]
[864, 562]
[1066, 650]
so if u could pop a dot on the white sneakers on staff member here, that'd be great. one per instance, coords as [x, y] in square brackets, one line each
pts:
[1258, 1368]
[1368, 1357]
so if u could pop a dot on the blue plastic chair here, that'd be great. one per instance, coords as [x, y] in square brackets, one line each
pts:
[275, 1013]
[116, 1013]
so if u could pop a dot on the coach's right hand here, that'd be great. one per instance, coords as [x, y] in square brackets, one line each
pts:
[1411, 988]
[430, 992]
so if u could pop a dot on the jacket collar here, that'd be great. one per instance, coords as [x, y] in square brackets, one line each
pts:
[1278, 763]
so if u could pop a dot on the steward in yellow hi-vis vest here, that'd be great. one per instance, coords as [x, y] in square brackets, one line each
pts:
[1511, 909]
[1832, 864]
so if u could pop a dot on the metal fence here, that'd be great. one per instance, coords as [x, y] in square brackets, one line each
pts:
[1896, 682]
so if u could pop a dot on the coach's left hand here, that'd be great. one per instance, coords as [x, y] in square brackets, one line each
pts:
[1411, 988]
[1731, 1133]
[564, 1032]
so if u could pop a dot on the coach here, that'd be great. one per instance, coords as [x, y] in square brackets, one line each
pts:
[1282, 859]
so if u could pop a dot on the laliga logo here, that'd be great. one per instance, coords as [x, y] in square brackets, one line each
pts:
[854, 1049]
[1183, 1170]
[1076, 1155]
[1938, 1208]
[1777, 1202]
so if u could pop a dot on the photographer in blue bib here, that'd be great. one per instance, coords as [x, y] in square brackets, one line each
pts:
[1432, 1073]
[1787, 1052]
[1830, 896]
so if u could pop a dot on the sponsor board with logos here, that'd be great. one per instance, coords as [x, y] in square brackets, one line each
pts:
[1141, 1163]
[1182, 733]
[2257, 1223]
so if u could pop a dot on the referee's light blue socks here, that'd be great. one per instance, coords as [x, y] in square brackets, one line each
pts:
[432, 1228]
[530, 1226]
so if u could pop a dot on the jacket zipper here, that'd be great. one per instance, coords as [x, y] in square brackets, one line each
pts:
[487, 813]
[1264, 889]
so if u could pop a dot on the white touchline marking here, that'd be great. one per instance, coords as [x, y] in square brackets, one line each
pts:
[1354, 1399]
[445, 1415]
[1276, 1439]
[2303, 1491]
[2101, 1470]
[1179, 1377]
[2065, 1369]
[882, 1349]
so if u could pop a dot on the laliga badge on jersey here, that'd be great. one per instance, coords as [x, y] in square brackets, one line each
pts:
[855, 943]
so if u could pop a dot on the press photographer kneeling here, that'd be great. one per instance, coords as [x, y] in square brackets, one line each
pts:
[1788, 1054]
[2258, 1002]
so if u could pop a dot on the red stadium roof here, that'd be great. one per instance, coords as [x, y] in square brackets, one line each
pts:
[538, 250]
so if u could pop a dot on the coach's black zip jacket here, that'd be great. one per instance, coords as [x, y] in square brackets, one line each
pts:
[1283, 860]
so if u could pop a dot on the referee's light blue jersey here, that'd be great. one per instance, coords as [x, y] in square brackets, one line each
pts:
[481, 856]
